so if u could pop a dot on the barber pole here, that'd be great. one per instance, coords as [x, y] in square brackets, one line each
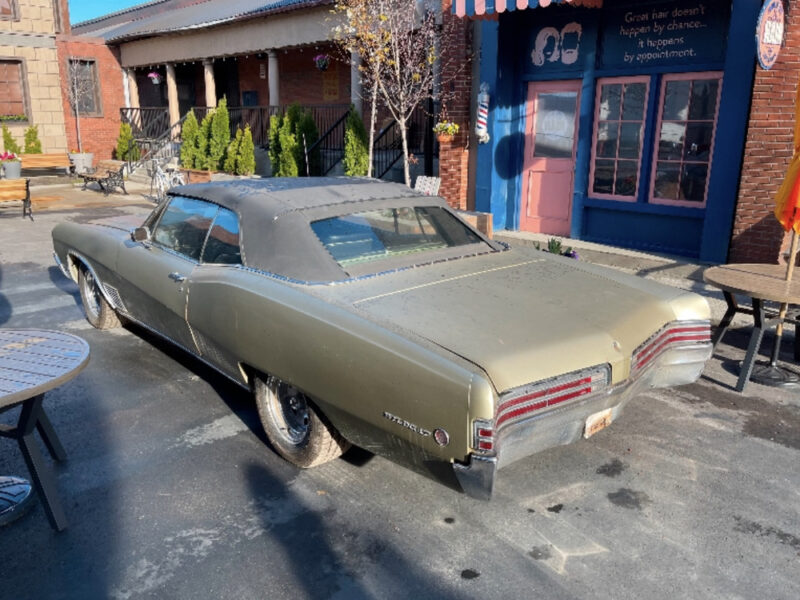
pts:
[481, 125]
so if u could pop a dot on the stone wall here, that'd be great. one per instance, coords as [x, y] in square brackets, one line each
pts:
[31, 39]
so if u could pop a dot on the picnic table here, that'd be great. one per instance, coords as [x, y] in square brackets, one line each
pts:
[32, 362]
[761, 283]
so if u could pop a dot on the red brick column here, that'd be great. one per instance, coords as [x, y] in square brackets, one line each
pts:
[454, 156]
[757, 236]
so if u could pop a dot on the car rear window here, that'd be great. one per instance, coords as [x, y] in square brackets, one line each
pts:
[375, 235]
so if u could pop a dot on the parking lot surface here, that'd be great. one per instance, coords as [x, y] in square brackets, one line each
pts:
[172, 492]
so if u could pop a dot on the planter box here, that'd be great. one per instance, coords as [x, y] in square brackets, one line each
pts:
[82, 161]
[196, 176]
[12, 169]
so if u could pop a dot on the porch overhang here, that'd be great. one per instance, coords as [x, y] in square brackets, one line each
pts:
[481, 8]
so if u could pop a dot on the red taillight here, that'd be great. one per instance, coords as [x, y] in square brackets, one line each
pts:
[674, 334]
[484, 436]
[521, 402]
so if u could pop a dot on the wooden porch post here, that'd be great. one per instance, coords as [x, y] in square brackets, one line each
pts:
[211, 86]
[172, 95]
[274, 79]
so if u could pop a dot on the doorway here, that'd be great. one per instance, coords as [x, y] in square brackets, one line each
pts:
[548, 175]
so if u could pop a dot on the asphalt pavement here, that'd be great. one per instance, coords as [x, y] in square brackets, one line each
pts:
[172, 492]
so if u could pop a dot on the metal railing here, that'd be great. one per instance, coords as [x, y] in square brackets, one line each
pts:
[323, 155]
[162, 148]
[147, 123]
[388, 146]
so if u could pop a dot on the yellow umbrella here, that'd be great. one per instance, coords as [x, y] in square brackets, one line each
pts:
[787, 202]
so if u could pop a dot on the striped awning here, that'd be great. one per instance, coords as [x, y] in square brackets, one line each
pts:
[472, 8]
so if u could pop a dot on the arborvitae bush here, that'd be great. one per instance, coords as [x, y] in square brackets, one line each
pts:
[356, 154]
[126, 149]
[9, 143]
[231, 154]
[287, 161]
[32, 143]
[201, 143]
[274, 152]
[220, 136]
[189, 133]
[307, 135]
[246, 159]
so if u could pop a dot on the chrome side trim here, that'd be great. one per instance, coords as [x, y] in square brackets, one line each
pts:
[116, 299]
[477, 477]
[83, 260]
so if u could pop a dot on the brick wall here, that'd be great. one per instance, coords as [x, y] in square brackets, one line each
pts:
[457, 81]
[757, 235]
[302, 82]
[98, 133]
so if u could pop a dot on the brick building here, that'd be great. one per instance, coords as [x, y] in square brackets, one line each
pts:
[30, 88]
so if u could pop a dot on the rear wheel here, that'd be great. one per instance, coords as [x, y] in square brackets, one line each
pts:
[98, 311]
[294, 426]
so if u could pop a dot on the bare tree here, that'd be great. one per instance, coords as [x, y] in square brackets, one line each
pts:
[399, 42]
[80, 91]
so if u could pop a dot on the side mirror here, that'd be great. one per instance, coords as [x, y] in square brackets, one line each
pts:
[140, 234]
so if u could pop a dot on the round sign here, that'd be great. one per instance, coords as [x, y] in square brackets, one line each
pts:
[769, 33]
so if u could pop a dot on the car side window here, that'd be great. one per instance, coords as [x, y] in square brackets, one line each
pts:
[222, 246]
[184, 225]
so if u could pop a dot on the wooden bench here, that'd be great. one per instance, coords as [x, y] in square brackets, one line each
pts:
[17, 189]
[108, 174]
[46, 161]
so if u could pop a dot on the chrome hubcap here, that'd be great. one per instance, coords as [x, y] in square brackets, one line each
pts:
[92, 294]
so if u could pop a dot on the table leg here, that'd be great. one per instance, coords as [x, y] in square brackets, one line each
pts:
[733, 308]
[41, 474]
[49, 437]
[755, 344]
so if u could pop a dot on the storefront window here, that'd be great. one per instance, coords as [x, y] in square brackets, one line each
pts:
[617, 150]
[686, 123]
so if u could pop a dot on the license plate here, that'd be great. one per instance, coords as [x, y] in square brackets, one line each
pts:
[596, 422]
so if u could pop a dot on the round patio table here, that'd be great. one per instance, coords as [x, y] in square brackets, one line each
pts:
[32, 362]
[760, 283]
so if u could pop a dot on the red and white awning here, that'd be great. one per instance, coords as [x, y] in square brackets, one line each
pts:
[471, 8]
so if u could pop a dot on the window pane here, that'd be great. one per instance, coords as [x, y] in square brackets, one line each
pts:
[693, 182]
[666, 185]
[629, 140]
[222, 246]
[6, 8]
[633, 105]
[378, 234]
[12, 96]
[626, 178]
[610, 96]
[184, 226]
[698, 141]
[676, 100]
[604, 177]
[607, 139]
[670, 142]
[704, 99]
[83, 85]
[555, 124]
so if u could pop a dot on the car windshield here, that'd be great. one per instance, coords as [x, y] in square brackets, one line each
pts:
[375, 235]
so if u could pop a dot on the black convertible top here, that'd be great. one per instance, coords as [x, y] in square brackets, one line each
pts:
[275, 214]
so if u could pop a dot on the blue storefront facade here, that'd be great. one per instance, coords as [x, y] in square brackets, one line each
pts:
[622, 124]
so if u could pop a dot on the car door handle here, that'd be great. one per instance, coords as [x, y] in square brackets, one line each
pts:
[177, 277]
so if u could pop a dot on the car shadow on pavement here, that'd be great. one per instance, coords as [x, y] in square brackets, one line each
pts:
[65, 285]
[321, 553]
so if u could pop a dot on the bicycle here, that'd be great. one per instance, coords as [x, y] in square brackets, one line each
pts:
[161, 181]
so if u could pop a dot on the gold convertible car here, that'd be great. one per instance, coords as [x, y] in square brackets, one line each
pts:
[361, 312]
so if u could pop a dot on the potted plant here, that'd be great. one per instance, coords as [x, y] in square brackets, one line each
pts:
[322, 61]
[12, 166]
[155, 77]
[445, 131]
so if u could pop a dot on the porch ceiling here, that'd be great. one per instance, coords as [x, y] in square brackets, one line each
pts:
[283, 30]
[472, 8]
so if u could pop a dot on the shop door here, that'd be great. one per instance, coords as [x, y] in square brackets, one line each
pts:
[551, 133]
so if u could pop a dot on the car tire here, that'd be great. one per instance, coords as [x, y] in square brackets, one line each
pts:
[98, 311]
[297, 430]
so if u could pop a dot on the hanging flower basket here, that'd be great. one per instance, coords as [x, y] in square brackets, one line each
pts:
[155, 77]
[322, 61]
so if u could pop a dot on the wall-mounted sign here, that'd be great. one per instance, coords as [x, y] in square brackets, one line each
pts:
[558, 43]
[769, 33]
[665, 34]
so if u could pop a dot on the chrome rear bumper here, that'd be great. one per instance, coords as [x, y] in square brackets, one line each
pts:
[566, 424]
